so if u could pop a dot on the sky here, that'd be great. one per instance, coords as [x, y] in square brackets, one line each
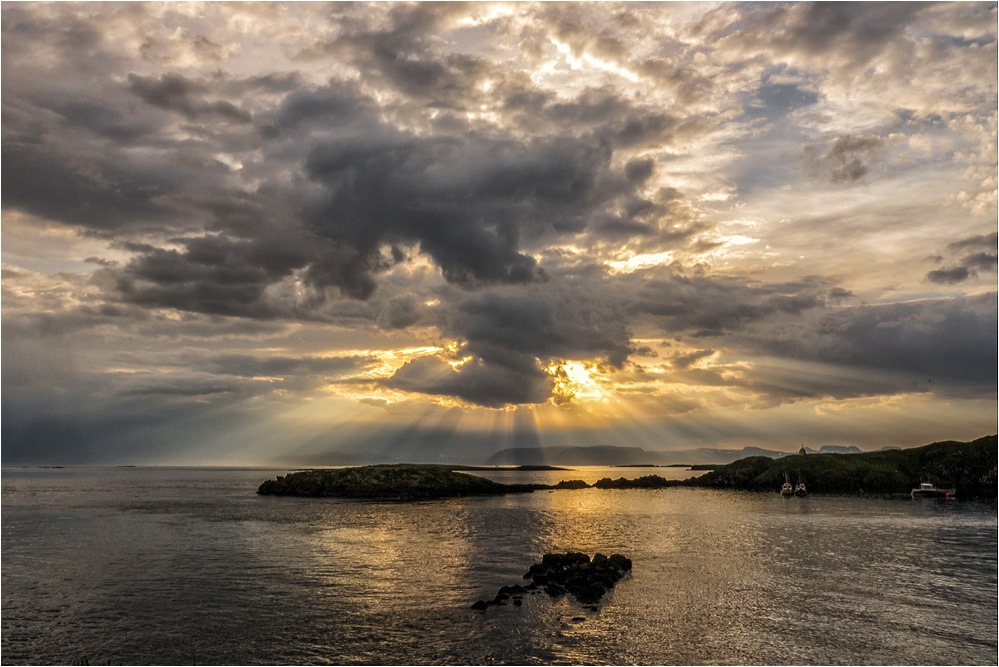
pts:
[253, 234]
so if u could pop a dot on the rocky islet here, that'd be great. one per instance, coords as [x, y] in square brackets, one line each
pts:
[572, 572]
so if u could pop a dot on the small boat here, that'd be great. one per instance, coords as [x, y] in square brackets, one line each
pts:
[800, 490]
[927, 490]
[787, 490]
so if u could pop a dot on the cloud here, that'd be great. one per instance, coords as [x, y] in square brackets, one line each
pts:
[174, 92]
[476, 381]
[947, 341]
[848, 159]
[950, 276]
[211, 213]
[709, 306]
[977, 242]
[980, 260]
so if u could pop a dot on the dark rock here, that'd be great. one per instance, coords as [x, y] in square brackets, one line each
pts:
[572, 484]
[571, 572]
[481, 604]
[620, 562]
[555, 590]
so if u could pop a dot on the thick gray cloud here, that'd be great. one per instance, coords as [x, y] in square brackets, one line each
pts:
[949, 276]
[970, 263]
[947, 342]
[176, 93]
[518, 379]
[977, 242]
[705, 306]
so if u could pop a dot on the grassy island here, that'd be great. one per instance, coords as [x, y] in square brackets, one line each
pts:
[968, 467]
[402, 482]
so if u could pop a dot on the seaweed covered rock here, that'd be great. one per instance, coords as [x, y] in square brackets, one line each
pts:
[571, 572]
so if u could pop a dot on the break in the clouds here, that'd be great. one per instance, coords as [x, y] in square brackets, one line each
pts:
[261, 232]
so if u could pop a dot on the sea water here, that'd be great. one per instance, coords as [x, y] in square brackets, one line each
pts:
[190, 566]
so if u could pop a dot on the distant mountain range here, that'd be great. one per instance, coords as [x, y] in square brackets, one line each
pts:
[609, 455]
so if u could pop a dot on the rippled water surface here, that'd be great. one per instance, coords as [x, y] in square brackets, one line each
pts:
[168, 566]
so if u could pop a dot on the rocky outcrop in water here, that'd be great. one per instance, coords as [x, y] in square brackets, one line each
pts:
[646, 482]
[573, 573]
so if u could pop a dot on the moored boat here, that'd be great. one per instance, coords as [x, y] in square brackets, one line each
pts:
[800, 490]
[787, 490]
[927, 490]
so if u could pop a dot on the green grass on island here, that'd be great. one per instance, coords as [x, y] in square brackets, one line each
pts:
[967, 467]
[403, 482]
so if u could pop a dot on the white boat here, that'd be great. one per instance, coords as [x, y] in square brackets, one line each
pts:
[927, 490]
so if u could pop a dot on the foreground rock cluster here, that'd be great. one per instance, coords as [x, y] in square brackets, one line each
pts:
[572, 572]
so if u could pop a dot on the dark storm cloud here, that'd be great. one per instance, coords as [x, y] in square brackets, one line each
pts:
[704, 306]
[942, 344]
[847, 160]
[980, 260]
[685, 360]
[862, 29]
[186, 390]
[56, 182]
[972, 262]
[949, 276]
[468, 204]
[476, 381]
[400, 312]
[174, 92]
[979, 242]
[853, 32]
[471, 200]
[400, 51]
[333, 105]
[215, 275]
[244, 365]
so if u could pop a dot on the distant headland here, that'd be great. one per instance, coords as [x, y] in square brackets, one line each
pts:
[968, 467]
[612, 455]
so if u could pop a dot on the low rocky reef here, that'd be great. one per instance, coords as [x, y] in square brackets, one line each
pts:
[572, 572]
